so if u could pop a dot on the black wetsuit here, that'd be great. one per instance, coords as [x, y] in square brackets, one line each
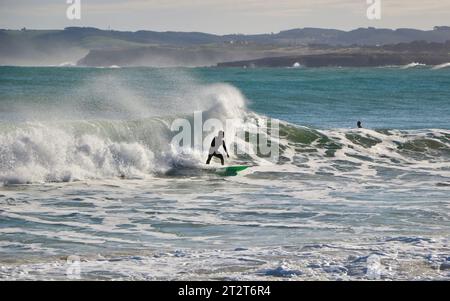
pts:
[213, 152]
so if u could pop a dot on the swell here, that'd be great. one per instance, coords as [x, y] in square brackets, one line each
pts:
[363, 153]
[70, 150]
[61, 151]
[418, 144]
[39, 152]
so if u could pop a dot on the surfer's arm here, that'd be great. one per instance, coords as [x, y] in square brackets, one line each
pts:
[225, 148]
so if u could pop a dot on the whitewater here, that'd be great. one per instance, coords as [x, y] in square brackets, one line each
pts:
[89, 170]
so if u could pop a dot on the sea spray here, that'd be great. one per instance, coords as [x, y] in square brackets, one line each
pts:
[112, 135]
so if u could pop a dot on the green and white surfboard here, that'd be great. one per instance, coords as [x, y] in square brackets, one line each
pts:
[231, 170]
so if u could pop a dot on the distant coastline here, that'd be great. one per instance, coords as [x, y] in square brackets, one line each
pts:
[310, 47]
[344, 60]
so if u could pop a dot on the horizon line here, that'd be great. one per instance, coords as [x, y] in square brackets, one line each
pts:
[436, 27]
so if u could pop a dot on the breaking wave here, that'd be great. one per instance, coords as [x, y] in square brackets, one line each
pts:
[413, 65]
[442, 66]
[71, 150]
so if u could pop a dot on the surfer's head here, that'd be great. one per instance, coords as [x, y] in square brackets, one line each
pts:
[222, 134]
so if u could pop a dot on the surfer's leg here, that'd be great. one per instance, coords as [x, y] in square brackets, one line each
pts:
[220, 156]
[209, 159]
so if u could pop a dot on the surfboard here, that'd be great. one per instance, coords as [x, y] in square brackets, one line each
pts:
[231, 170]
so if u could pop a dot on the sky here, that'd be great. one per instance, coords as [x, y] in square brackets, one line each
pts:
[223, 16]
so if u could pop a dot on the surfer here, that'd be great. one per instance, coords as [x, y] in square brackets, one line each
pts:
[359, 124]
[214, 149]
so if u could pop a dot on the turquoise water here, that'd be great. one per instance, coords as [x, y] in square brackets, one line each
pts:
[383, 98]
[388, 98]
[88, 168]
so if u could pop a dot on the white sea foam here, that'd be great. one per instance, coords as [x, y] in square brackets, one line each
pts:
[389, 260]
[413, 65]
[67, 64]
[442, 66]
[337, 204]
[65, 150]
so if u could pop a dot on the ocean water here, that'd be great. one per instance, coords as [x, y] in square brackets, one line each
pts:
[92, 187]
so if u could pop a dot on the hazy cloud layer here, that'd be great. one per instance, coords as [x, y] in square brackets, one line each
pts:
[223, 16]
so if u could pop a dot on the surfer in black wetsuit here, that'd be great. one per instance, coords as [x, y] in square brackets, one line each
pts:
[214, 149]
[359, 124]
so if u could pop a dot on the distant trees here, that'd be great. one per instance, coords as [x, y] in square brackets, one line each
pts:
[419, 46]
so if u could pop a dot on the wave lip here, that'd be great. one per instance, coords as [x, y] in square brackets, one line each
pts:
[67, 64]
[413, 65]
[441, 66]
[66, 150]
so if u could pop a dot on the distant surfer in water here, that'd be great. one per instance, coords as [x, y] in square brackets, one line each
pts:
[214, 149]
[359, 124]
